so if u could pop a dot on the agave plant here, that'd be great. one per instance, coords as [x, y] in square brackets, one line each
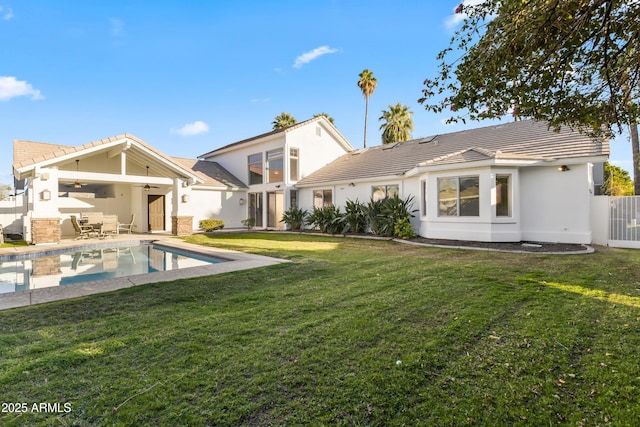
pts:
[354, 219]
[295, 218]
[326, 219]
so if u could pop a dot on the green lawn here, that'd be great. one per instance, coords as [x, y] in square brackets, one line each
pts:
[352, 332]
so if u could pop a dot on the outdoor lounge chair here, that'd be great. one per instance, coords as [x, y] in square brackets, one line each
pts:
[82, 231]
[126, 227]
[109, 226]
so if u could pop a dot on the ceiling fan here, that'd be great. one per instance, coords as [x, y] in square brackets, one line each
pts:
[147, 187]
[77, 184]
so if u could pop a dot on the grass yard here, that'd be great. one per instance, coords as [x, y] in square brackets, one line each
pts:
[352, 332]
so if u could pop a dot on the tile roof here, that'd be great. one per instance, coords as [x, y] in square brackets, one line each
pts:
[212, 173]
[27, 153]
[516, 140]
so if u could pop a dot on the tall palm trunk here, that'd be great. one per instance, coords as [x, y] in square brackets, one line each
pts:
[635, 150]
[366, 114]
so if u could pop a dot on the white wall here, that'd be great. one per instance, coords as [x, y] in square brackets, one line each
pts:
[600, 224]
[11, 213]
[556, 205]
[210, 204]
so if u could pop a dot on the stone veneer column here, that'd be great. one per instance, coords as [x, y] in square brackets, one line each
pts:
[45, 230]
[181, 225]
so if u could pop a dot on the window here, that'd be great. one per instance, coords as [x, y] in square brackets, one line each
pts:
[322, 198]
[293, 164]
[459, 196]
[379, 192]
[293, 198]
[423, 188]
[275, 166]
[503, 195]
[255, 169]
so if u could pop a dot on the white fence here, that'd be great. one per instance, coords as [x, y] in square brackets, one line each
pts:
[624, 221]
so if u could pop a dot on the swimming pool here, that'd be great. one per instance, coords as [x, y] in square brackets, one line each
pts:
[93, 262]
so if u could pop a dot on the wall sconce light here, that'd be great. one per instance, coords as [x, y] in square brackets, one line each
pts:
[241, 201]
[44, 176]
[351, 184]
[185, 198]
[278, 186]
[45, 195]
[563, 168]
[185, 184]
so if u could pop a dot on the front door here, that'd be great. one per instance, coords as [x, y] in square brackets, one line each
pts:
[156, 212]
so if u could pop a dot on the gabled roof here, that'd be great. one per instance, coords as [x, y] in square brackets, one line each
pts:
[211, 173]
[523, 140]
[267, 135]
[28, 155]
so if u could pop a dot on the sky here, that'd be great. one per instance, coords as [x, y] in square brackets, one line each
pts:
[191, 76]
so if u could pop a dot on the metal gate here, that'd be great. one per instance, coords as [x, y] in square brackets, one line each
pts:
[624, 227]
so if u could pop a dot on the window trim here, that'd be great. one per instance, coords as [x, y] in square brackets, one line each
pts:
[324, 191]
[268, 162]
[262, 168]
[457, 179]
[509, 195]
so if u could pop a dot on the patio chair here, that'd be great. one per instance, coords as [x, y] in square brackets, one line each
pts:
[109, 226]
[126, 227]
[82, 231]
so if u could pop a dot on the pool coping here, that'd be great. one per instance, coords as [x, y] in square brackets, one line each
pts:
[236, 261]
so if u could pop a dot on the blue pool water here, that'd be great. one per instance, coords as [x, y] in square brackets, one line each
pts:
[59, 268]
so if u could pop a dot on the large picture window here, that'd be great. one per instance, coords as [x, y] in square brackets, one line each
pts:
[459, 196]
[275, 166]
[503, 195]
[379, 192]
[322, 198]
[255, 169]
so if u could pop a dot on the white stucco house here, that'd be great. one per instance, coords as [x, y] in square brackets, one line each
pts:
[511, 182]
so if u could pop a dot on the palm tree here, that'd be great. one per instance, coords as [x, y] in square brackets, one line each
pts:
[325, 115]
[397, 125]
[367, 84]
[283, 120]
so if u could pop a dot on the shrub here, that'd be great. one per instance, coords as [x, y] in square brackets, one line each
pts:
[326, 219]
[249, 223]
[211, 224]
[403, 229]
[383, 215]
[354, 218]
[295, 218]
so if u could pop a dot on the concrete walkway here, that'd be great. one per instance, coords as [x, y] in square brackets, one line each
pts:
[237, 261]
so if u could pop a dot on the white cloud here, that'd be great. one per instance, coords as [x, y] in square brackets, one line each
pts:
[7, 14]
[455, 19]
[307, 57]
[196, 128]
[11, 88]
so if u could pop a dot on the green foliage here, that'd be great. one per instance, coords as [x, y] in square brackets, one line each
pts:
[373, 210]
[283, 120]
[211, 224]
[403, 229]
[367, 85]
[568, 63]
[249, 223]
[397, 124]
[326, 219]
[393, 210]
[325, 115]
[295, 218]
[617, 181]
[354, 219]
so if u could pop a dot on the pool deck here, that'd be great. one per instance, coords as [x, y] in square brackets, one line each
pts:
[239, 261]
